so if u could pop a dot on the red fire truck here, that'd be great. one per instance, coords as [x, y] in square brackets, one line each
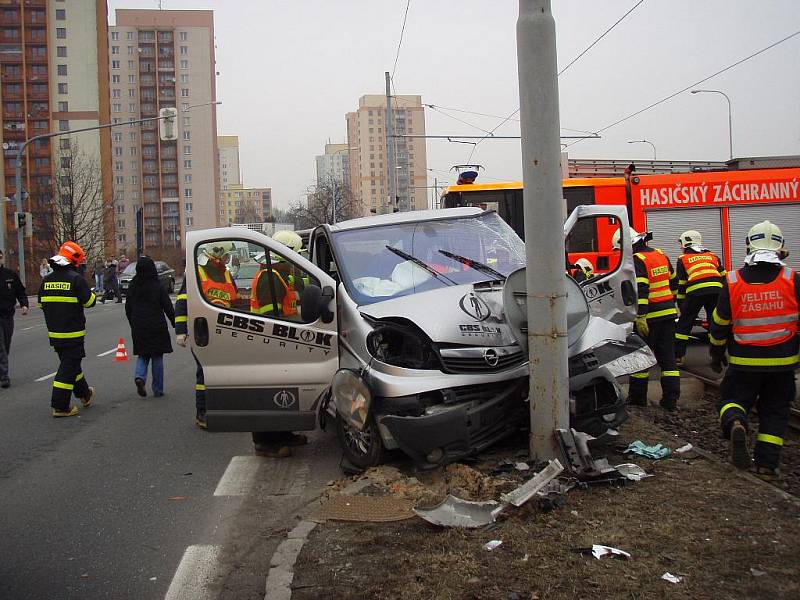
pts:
[722, 205]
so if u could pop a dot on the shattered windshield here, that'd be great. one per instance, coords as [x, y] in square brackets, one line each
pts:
[379, 263]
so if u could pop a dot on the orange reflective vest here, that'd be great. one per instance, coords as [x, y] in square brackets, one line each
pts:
[702, 270]
[763, 314]
[658, 276]
[217, 293]
[261, 304]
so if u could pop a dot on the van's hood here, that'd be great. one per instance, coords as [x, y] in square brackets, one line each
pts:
[463, 314]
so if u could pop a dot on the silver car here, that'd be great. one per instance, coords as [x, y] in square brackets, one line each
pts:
[405, 330]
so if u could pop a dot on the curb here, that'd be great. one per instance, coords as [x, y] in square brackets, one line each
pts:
[281, 572]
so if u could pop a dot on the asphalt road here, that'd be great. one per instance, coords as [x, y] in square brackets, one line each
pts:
[130, 499]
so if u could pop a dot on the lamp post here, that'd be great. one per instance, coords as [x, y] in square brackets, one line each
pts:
[645, 142]
[730, 118]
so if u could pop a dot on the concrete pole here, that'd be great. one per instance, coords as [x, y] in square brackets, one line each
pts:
[544, 208]
[389, 131]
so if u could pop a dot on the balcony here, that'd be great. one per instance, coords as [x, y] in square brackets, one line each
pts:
[10, 76]
[38, 94]
[10, 17]
[10, 53]
[34, 55]
[166, 65]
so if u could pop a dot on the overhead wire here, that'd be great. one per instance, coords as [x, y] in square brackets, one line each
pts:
[400, 43]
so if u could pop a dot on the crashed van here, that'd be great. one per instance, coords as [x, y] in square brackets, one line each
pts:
[403, 331]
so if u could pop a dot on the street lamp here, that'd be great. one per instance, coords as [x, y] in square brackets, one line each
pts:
[730, 119]
[645, 142]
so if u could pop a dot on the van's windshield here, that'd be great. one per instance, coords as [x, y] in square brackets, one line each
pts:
[388, 261]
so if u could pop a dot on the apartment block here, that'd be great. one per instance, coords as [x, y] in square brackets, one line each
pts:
[334, 165]
[160, 59]
[246, 205]
[54, 77]
[369, 169]
[230, 172]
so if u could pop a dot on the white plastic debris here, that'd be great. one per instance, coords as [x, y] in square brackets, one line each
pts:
[599, 552]
[521, 466]
[671, 578]
[632, 471]
[757, 572]
[683, 449]
[525, 558]
[492, 545]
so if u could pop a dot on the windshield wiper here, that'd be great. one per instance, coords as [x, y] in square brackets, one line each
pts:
[420, 264]
[477, 265]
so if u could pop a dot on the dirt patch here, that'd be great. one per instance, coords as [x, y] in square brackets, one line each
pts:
[695, 518]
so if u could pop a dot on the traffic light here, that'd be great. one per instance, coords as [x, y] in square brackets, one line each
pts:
[24, 221]
[168, 125]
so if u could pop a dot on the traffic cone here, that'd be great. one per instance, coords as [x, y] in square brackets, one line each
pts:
[122, 354]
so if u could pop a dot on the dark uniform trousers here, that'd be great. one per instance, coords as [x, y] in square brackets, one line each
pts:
[199, 386]
[69, 378]
[662, 342]
[690, 308]
[6, 332]
[773, 392]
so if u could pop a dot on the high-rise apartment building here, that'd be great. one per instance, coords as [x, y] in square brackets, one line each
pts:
[334, 165]
[369, 169]
[246, 205]
[54, 77]
[229, 171]
[160, 59]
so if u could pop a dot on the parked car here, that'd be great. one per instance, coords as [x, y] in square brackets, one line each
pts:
[410, 335]
[244, 278]
[166, 275]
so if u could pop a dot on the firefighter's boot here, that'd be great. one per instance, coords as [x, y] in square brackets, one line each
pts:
[740, 453]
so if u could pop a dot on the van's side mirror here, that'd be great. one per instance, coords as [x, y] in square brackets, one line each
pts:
[314, 303]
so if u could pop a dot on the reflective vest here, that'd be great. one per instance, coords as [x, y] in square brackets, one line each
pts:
[702, 271]
[763, 314]
[658, 276]
[217, 293]
[261, 303]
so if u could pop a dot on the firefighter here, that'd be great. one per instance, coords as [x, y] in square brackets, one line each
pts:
[700, 274]
[656, 285]
[756, 321]
[181, 338]
[63, 295]
[215, 279]
[582, 270]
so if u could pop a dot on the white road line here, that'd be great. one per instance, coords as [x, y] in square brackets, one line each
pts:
[107, 352]
[53, 374]
[194, 574]
[238, 477]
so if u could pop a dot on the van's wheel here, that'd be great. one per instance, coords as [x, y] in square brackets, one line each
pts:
[363, 449]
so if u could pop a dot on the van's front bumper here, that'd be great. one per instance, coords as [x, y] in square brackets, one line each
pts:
[447, 432]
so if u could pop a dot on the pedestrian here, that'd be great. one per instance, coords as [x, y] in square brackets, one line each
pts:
[98, 270]
[11, 292]
[44, 268]
[122, 264]
[700, 274]
[181, 338]
[146, 306]
[656, 285]
[110, 282]
[63, 295]
[756, 321]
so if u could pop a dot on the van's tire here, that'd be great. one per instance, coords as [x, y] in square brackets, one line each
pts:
[363, 449]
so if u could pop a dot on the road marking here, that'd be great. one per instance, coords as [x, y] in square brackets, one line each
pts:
[107, 352]
[238, 477]
[53, 374]
[194, 574]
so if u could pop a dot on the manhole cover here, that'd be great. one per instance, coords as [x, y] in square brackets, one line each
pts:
[375, 509]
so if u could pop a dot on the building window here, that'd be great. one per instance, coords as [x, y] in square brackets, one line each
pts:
[184, 50]
[117, 136]
[187, 206]
[115, 79]
[184, 64]
[62, 69]
[183, 36]
[115, 93]
[129, 35]
[117, 151]
[186, 121]
[114, 49]
[114, 36]
[116, 107]
[118, 165]
[64, 143]
[187, 149]
[184, 106]
[63, 106]
[61, 33]
[132, 93]
[184, 92]
[135, 179]
[187, 164]
[119, 180]
[133, 136]
[187, 135]
[131, 64]
[133, 150]
[189, 221]
[61, 51]
[184, 78]
[187, 192]
[132, 107]
[131, 78]
[131, 50]
[114, 63]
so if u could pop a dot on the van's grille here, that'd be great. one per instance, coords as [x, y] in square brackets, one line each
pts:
[481, 360]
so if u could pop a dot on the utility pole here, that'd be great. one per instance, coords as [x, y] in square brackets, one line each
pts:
[543, 208]
[389, 131]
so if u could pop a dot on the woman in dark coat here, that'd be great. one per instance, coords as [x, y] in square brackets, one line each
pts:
[146, 306]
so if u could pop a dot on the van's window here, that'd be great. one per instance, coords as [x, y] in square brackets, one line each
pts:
[393, 260]
[246, 277]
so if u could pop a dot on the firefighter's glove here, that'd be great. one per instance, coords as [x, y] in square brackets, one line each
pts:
[642, 327]
[181, 339]
[718, 362]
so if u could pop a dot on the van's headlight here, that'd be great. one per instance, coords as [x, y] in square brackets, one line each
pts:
[401, 346]
[352, 396]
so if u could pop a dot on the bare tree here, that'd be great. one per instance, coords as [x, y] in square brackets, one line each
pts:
[73, 206]
[322, 201]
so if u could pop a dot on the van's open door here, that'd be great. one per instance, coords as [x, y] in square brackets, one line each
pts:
[262, 323]
[611, 295]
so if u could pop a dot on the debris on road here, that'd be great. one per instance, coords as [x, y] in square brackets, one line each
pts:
[655, 452]
[684, 449]
[492, 545]
[599, 551]
[632, 471]
[757, 572]
[671, 578]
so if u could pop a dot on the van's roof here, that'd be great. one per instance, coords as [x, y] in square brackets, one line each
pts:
[406, 217]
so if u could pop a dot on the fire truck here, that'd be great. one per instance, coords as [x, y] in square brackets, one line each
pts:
[720, 204]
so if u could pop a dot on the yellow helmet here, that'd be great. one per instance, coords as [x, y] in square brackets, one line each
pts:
[289, 238]
[217, 250]
[765, 236]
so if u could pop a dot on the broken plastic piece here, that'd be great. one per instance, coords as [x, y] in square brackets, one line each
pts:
[671, 578]
[521, 466]
[642, 449]
[455, 512]
[683, 449]
[599, 552]
[492, 545]
[757, 572]
[632, 471]
[525, 492]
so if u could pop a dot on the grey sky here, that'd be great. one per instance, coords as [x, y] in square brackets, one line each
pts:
[290, 70]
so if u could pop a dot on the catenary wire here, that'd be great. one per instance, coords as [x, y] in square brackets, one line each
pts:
[400, 43]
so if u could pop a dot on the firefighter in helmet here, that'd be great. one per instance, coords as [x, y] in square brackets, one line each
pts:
[656, 284]
[700, 274]
[582, 270]
[63, 295]
[215, 279]
[756, 321]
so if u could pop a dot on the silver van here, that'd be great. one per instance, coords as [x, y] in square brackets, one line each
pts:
[407, 331]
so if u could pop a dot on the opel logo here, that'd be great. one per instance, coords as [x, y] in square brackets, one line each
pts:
[284, 399]
[307, 335]
[474, 307]
[491, 357]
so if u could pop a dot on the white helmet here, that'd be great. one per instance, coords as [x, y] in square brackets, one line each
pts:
[765, 236]
[635, 237]
[690, 237]
[289, 238]
[585, 265]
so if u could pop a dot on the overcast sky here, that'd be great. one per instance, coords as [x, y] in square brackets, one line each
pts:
[290, 70]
